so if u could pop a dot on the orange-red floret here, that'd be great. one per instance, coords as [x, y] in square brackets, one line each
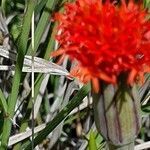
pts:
[105, 39]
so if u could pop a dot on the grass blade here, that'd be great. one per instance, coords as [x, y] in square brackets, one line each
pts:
[3, 101]
[76, 100]
[45, 17]
[22, 46]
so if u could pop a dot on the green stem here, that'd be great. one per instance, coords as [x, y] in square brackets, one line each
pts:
[129, 146]
[22, 46]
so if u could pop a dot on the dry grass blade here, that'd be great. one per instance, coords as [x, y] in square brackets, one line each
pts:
[82, 106]
[21, 136]
[38, 100]
[142, 146]
[40, 65]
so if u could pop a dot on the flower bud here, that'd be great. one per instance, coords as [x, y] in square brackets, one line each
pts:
[117, 114]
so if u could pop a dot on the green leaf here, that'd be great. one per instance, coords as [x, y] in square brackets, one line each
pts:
[92, 141]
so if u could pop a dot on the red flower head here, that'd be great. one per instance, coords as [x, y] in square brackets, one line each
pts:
[105, 39]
